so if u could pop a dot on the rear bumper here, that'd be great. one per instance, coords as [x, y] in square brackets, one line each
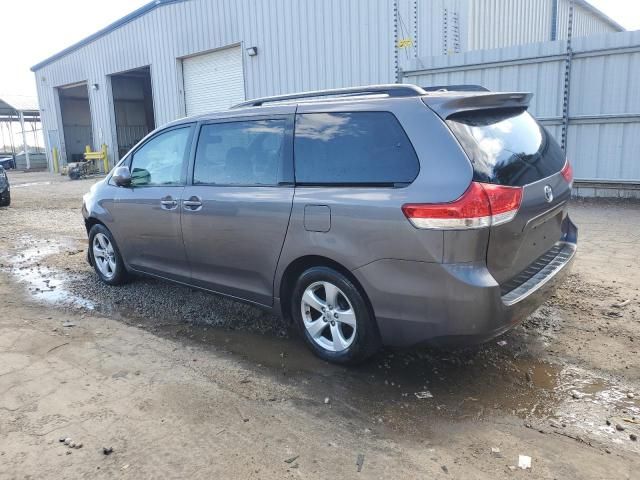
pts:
[456, 304]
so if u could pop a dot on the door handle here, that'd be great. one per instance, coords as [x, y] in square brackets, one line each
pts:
[168, 203]
[193, 204]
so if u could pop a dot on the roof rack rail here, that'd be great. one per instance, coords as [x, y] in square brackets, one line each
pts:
[456, 88]
[393, 90]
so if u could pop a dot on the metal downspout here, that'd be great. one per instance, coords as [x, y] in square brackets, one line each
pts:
[396, 63]
[567, 80]
[554, 20]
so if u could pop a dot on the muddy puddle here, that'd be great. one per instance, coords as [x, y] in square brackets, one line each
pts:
[42, 282]
[414, 391]
[29, 184]
[409, 391]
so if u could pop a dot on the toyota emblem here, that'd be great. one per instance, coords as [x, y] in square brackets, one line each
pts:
[548, 193]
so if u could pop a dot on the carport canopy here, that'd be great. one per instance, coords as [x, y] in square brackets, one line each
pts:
[19, 110]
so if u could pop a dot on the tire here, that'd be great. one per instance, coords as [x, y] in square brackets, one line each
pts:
[345, 333]
[105, 256]
[6, 200]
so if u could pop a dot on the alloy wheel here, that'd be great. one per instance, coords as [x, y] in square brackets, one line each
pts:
[328, 316]
[104, 256]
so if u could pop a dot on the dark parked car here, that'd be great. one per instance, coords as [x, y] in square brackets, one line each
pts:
[370, 216]
[5, 189]
[7, 162]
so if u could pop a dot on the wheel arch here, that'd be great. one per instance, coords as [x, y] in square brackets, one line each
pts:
[295, 268]
[91, 221]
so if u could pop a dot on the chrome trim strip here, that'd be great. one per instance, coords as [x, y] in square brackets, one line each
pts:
[538, 280]
[544, 216]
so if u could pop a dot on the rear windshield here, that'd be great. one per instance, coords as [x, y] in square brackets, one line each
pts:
[507, 146]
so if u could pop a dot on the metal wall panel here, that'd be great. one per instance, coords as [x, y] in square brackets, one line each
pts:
[486, 24]
[442, 24]
[508, 69]
[584, 22]
[502, 23]
[301, 45]
[603, 137]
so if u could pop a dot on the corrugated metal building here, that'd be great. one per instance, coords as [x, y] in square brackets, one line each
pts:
[505, 23]
[173, 58]
[594, 110]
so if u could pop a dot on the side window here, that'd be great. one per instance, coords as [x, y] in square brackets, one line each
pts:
[353, 148]
[240, 153]
[160, 160]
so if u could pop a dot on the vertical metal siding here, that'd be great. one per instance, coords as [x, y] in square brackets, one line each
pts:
[606, 84]
[488, 24]
[508, 74]
[501, 23]
[584, 22]
[604, 127]
[301, 46]
[429, 24]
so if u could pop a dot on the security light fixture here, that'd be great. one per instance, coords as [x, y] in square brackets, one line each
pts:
[95, 86]
[252, 51]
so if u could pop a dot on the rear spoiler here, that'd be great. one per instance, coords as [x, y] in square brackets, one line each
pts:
[446, 104]
[456, 88]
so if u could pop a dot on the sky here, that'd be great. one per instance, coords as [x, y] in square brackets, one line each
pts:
[625, 12]
[50, 27]
[40, 28]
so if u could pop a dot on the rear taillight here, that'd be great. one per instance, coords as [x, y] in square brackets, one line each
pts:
[567, 172]
[504, 201]
[482, 205]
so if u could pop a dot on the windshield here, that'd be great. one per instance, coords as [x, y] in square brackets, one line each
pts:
[507, 146]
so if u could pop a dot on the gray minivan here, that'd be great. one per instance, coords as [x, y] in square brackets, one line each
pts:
[381, 215]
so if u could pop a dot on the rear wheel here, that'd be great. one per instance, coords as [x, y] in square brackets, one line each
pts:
[105, 256]
[334, 316]
[6, 200]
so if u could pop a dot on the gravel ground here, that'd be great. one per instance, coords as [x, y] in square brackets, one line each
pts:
[172, 304]
[60, 225]
[554, 388]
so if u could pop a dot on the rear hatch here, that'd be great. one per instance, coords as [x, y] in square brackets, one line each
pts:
[508, 147]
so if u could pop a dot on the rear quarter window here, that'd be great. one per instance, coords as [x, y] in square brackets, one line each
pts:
[356, 148]
[507, 146]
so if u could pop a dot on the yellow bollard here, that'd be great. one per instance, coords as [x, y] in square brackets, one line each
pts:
[55, 160]
[105, 161]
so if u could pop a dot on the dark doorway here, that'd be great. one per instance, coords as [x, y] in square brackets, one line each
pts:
[133, 107]
[76, 120]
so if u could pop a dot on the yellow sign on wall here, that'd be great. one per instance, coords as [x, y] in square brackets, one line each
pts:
[405, 43]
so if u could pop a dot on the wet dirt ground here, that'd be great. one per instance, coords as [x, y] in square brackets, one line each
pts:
[186, 384]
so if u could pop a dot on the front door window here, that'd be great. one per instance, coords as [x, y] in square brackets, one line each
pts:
[159, 161]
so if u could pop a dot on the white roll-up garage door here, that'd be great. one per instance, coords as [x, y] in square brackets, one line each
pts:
[213, 81]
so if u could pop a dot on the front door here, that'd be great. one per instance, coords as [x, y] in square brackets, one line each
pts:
[147, 215]
[236, 212]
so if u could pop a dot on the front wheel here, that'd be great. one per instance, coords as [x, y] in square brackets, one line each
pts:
[334, 317]
[105, 256]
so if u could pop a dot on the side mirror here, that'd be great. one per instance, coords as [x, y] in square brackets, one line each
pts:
[122, 176]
